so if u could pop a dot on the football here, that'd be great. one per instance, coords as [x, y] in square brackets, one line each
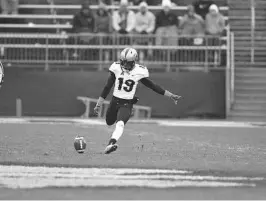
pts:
[80, 144]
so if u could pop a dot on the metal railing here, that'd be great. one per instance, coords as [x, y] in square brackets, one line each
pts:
[230, 75]
[112, 7]
[102, 49]
[253, 25]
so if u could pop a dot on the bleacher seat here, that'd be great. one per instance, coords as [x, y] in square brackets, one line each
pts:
[42, 20]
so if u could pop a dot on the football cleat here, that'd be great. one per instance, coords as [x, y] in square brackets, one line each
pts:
[110, 148]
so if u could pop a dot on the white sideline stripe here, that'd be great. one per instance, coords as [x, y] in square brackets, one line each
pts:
[208, 124]
[37, 183]
[40, 177]
[93, 171]
[129, 177]
[170, 122]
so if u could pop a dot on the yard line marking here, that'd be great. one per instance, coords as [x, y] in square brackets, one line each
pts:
[40, 177]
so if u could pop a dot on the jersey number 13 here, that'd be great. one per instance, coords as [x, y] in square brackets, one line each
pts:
[128, 85]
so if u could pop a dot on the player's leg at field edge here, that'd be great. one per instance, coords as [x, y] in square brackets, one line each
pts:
[123, 116]
[111, 114]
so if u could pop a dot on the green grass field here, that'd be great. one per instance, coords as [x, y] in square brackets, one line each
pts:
[205, 151]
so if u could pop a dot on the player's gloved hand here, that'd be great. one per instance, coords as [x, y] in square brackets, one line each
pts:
[175, 98]
[98, 106]
[135, 100]
[97, 109]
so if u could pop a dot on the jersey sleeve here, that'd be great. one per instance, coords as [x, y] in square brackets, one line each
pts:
[153, 86]
[108, 86]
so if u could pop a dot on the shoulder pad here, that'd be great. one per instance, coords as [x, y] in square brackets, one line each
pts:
[115, 67]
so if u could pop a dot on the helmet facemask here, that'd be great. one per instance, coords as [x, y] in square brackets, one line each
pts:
[127, 65]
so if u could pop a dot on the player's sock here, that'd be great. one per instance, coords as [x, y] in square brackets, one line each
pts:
[112, 141]
[119, 128]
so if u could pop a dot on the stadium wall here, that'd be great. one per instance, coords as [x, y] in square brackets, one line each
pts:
[54, 93]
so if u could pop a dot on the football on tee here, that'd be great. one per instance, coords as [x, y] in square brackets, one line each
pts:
[80, 144]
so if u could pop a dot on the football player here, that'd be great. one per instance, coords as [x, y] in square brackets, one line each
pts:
[125, 75]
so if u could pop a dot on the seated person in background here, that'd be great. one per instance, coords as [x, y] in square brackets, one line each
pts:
[202, 7]
[154, 2]
[145, 20]
[145, 24]
[124, 19]
[107, 2]
[103, 25]
[215, 23]
[166, 25]
[193, 26]
[83, 22]
[215, 26]
[103, 20]
[9, 7]
[130, 2]
[135, 2]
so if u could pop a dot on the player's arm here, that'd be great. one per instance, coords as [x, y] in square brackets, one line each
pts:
[106, 90]
[158, 89]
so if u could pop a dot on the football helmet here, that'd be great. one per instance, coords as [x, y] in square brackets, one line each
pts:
[128, 58]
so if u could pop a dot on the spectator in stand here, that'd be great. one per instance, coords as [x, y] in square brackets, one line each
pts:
[103, 20]
[215, 26]
[9, 7]
[215, 23]
[124, 19]
[103, 25]
[145, 20]
[84, 22]
[202, 7]
[145, 25]
[107, 2]
[123, 23]
[166, 25]
[154, 2]
[135, 2]
[193, 26]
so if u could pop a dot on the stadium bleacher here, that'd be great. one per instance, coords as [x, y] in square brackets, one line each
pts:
[51, 17]
[53, 43]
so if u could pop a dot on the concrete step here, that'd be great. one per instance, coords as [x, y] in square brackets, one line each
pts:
[252, 109]
[241, 33]
[249, 102]
[242, 58]
[251, 96]
[258, 76]
[251, 82]
[247, 90]
[248, 114]
[254, 78]
[246, 119]
[249, 68]
[240, 12]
